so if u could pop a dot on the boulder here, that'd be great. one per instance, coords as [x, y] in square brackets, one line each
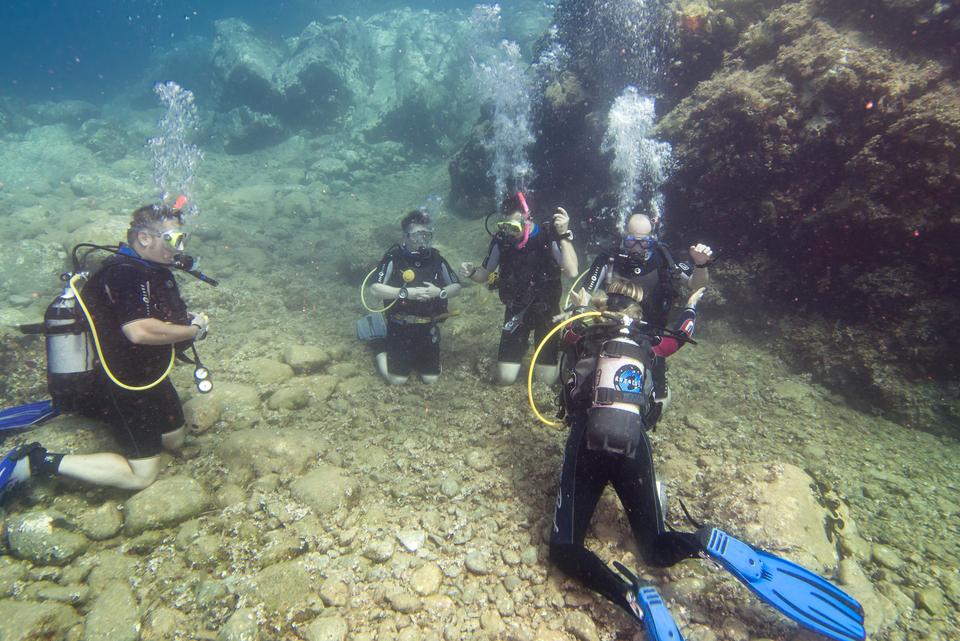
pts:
[115, 615]
[44, 537]
[327, 488]
[261, 452]
[165, 503]
[29, 620]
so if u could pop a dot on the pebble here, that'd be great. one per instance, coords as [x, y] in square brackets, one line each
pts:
[241, 626]
[477, 563]
[581, 626]
[332, 628]
[334, 593]
[102, 523]
[510, 557]
[167, 502]
[426, 579]
[491, 622]
[412, 540]
[402, 602]
[449, 488]
[379, 551]
[202, 412]
[886, 556]
[931, 600]
[530, 555]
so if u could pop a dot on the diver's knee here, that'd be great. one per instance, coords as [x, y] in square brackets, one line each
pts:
[174, 440]
[546, 373]
[507, 373]
[429, 379]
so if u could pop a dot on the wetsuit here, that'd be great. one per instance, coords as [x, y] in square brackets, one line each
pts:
[657, 276]
[413, 332]
[584, 475]
[530, 288]
[125, 289]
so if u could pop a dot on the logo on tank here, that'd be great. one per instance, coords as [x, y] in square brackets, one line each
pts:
[629, 379]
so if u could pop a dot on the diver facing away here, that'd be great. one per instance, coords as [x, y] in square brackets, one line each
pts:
[606, 402]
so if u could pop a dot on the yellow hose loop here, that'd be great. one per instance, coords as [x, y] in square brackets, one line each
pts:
[566, 301]
[103, 361]
[536, 355]
[363, 299]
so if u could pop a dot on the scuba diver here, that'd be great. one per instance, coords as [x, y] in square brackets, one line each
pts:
[643, 259]
[606, 402]
[420, 281]
[135, 318]
[530, 256]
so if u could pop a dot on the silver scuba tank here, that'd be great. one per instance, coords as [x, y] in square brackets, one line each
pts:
[620, 396]
[71, 357]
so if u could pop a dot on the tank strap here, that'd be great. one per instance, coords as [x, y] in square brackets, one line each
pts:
[607, 396]
[625, 349]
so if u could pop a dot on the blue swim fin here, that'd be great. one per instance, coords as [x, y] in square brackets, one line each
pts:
[657, 620]
[27, 415]
[8, 464]
[796, 592]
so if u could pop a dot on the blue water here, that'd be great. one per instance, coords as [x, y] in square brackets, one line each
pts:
[71, 49]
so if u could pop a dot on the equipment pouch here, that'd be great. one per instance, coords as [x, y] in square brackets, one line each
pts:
[372, 327]
[613, 430]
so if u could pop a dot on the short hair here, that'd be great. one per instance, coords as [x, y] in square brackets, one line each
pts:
[149, 217]
[415, 217]
[510, 204]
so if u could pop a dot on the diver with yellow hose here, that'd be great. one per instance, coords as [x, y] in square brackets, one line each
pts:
[418, 281]
[137, 321]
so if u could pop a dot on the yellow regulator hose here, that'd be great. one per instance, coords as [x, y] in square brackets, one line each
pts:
[536, 355]
[363, 299]
[103, 361]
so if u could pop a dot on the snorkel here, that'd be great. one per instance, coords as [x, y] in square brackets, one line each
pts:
[527, 223]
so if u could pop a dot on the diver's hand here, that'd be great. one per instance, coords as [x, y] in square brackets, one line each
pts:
[695, 298]
[700, 254]
[467, 270]
[202, 323]
[561, 221]
[581, 298]
[427, 292]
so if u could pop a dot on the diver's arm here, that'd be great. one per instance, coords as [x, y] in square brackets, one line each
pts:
[453, 289]
[700, 255]
[569, 264]
[384, 292]
[153, 331]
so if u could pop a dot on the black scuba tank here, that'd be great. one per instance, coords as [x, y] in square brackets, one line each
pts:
[71, 357]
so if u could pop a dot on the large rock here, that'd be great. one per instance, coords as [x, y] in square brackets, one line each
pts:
[260, 452]
[44, 537]
[327, 488]
[29, 620]
[165, 503]
[284, 587]
[115, 615]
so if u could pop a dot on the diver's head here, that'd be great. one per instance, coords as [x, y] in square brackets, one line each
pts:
[417, 232]
[639, 239]
[621, 296]
[512, 218]
[156, 233]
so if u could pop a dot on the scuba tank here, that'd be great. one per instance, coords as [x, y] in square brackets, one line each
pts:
[71, 357]
[621, 392]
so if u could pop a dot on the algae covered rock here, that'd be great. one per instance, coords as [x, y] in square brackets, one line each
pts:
[327, 488]
[165, 503]
[44, 537]
[29, 620]
[115, 615]
[262, 452]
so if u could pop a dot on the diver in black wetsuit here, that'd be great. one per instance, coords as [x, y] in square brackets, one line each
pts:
[645, 261]
[614, 453]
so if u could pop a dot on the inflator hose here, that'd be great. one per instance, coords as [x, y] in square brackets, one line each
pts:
[363, 299]
[536, 355]
[103, 361]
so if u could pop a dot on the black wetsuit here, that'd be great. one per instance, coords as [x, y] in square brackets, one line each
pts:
[584, 475]
[125, 289]
[657, 276]
[530, 289]
[413, 332]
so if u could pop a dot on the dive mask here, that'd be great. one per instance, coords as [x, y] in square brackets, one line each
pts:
[644, 242]
[175, 239]
[420, 240]
[510, 227]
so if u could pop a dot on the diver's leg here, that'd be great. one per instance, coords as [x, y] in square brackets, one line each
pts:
[110, 470]
[635, 484]
[429, 350]
[173, 440]
[546, 369]
[393, 364]
[513, 345]
[582, 479]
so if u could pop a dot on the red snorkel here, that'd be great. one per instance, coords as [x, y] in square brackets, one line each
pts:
[526, 220]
